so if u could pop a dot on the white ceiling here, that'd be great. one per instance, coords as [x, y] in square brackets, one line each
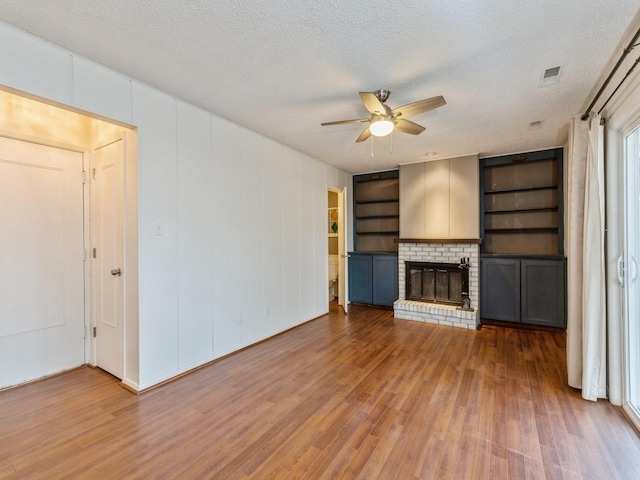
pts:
[281, 67]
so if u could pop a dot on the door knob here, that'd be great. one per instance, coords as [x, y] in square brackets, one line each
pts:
[116, 272]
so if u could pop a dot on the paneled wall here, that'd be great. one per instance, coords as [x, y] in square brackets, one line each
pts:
[231, 241]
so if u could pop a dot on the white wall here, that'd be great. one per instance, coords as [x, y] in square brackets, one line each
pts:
[243, 249]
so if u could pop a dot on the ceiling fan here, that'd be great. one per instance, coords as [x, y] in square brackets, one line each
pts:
[383, 120]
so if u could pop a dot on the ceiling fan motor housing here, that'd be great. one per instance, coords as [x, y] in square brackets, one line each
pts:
[382, 95]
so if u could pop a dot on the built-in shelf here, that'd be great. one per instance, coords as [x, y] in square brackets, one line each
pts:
[376, 214]
[387, 200]
[528, 188]
[521, 204]
[374, 217]
[332, 218]
[528, 209]
[395, 232]
[521, 229]
[333, 223]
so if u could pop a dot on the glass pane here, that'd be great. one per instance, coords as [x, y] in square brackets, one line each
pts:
[416, 283]
[632, 290]
[428, 285]
[442, 285]
[455, 286]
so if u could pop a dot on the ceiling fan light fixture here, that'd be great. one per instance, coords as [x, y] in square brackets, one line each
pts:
[381, 126]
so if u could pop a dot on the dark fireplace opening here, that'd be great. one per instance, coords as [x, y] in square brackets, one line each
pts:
[434, 282]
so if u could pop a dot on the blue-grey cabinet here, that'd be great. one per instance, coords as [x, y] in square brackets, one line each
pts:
[373, 278]
[543, 292]
[524, 290]
[360, 278]
[500, 289]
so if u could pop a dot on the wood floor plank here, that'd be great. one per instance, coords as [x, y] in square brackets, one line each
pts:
[361, 396]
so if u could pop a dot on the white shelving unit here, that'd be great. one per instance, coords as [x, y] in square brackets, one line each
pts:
[332, 221]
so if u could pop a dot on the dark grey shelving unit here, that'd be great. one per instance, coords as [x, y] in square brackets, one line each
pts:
[373, 265]
[523, 269]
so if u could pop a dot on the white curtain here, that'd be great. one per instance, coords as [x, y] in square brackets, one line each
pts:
[586, 325]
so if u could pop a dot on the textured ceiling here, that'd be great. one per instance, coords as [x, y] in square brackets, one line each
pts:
[281, 67]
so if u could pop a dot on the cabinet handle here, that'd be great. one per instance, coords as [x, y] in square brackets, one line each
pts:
[116, 272]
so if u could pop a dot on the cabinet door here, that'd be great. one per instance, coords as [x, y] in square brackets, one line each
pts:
[385, 279]
[436, 199]
[360, 278]
[543, 292]
[500, 289]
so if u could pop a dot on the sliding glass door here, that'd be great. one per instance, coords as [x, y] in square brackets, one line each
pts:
[628, 270]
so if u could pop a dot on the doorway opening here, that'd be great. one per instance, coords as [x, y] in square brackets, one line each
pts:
[44, 130]
[336, 239]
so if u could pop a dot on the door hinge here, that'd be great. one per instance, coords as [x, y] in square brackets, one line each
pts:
[84, 254]
[84, 177]
[94, 173]
[94, 252]
[95, 330]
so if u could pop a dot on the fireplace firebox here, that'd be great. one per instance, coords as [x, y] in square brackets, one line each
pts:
[441, 283]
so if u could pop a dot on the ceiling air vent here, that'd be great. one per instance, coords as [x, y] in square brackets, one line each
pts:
[537, 125]
[552, 72]
[550, 76]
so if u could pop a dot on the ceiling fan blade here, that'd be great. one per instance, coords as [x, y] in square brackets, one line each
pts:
[364, 135]
[407, 126]
[372, 104]
[342, 122]
[419, 107]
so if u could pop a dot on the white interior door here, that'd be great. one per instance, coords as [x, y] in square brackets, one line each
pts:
[631, 282]
[108, 184]
[42, 325]
[342, 253]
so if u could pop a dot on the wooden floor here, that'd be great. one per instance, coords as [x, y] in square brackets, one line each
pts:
[363, 396]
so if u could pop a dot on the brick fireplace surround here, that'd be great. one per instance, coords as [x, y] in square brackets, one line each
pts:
[447, 251]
